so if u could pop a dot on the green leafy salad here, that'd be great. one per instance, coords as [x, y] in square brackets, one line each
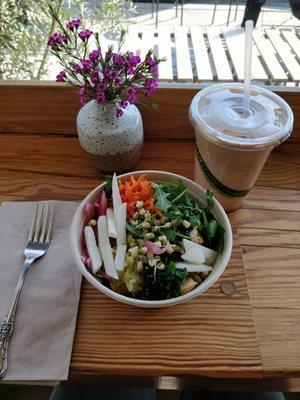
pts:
[149, 240]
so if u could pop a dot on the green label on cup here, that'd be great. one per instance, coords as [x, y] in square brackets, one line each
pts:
[215, 183]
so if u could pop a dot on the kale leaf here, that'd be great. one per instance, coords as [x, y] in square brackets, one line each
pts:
[170, 279]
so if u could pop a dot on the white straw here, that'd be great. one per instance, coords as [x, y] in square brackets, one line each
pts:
[247, 70]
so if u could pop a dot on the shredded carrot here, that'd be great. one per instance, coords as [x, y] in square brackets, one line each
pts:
[138, 189]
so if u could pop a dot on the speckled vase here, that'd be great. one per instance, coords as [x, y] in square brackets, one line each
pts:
[113, 144]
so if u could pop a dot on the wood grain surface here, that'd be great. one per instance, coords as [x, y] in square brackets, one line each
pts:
[37, 163]
[212, 335]
[55, 107]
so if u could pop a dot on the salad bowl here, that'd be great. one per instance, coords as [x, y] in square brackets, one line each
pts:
[198, 194]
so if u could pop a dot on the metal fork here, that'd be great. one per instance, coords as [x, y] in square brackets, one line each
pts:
[37, 245]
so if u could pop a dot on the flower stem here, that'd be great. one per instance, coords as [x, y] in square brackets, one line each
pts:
[46, 51]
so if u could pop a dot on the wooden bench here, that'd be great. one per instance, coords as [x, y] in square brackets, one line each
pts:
[194, 54]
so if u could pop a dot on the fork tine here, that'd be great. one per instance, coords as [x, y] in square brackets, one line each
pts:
[38, 224]
[45, 224]
[50, 225]
[32, 229]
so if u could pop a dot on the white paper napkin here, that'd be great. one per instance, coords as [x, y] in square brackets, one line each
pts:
[41, 345]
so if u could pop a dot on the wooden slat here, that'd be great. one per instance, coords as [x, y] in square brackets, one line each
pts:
[268, 54]
[235, 41]
[284, 52]
[132, 40]
[148, 40]
[203, 67]
[292, 39]
[219, 56]
[165, 69]
[183, 60]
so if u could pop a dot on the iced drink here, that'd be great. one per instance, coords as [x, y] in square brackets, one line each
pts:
[233, 145]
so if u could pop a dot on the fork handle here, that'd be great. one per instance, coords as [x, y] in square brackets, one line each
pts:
[6, 329]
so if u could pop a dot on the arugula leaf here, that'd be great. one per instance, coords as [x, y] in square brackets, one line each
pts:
[161, 198]
[211, 229]
[209, 195]
[171, 234]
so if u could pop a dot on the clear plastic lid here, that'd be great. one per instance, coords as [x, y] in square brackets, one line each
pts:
[218, 112]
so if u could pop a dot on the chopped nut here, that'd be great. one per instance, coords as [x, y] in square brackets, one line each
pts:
[146, 225]
[142, 211]
[143, 250]
[197, 278]
[136, 215]
[149, 236]
[157, 222]
[187, 285]
[133, 222]
[163, 220]
[204, 274]
[161, 266]
[167, 225]
[174, 222]
[139, 266]
[92, 222]
[163, 239]
[147, 214]
[139, 204]
[157, 243]
[186, 224]
[155, 229]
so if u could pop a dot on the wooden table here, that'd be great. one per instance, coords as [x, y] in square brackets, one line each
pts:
[248, 340]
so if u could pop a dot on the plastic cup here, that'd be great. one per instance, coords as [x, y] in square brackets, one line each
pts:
[233, 146]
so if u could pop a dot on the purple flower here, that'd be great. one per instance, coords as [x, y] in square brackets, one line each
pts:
[85, 34]
[95, 77]
[61, 76]
[118, 81]
[76, 68]
[113, 74]
[151, 85]
[152, 65]
[119, 112]
[56, 39]
[133, 90]
[100, 97]
[132, 99]
[94, 55]
[86, 64]
[74, 23]
[118, 59]
[123, 103]
[82, 96]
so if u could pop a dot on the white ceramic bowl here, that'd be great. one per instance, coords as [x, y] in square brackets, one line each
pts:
[196, 192]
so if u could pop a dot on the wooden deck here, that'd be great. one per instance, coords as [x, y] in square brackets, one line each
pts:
[195, 54]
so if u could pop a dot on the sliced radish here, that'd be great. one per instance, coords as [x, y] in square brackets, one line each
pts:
[116, 197]
[121, 224]
[154, 249]
[105, 248]
[209, 255]
[120, 257]
[90, 211]
[193, 267]
[194, 255]
[92, 249]
[102, 203]
[111, 226]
